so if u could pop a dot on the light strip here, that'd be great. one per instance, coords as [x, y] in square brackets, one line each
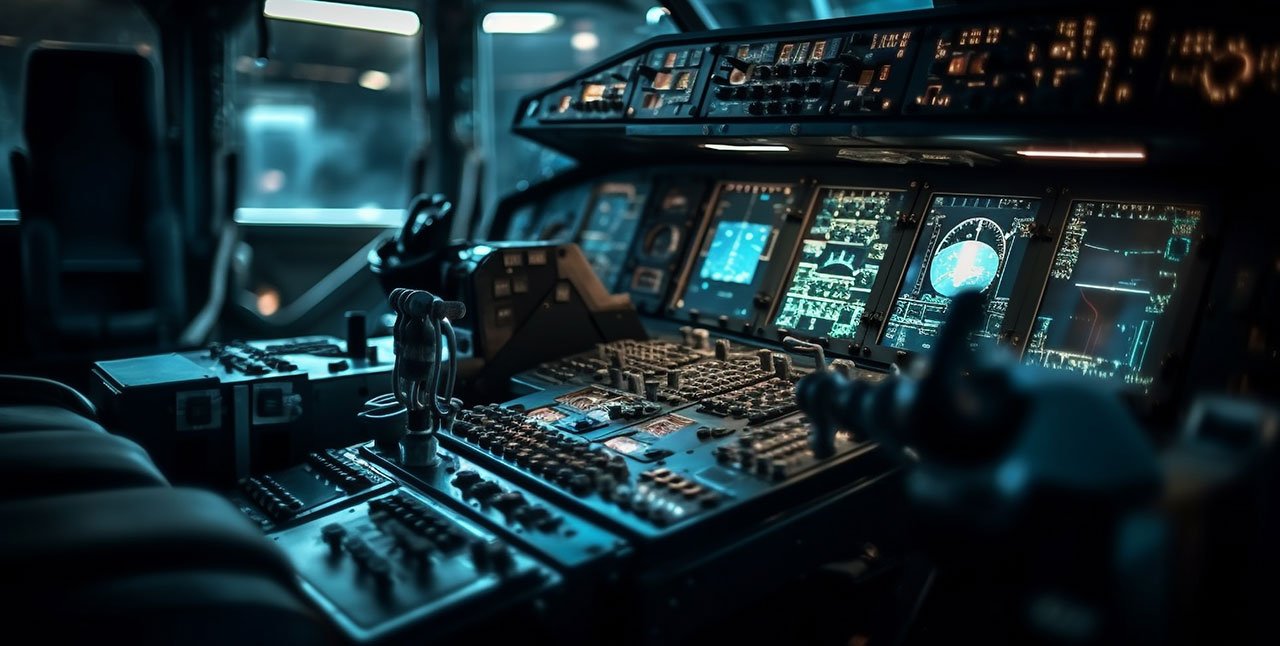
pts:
[1132, 154]
[307, 217]
[519, 22]
[351, 16]
[748, 148]
[1108, 288]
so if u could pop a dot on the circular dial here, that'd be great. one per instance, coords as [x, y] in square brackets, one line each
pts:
[662, 242]
[969, 257]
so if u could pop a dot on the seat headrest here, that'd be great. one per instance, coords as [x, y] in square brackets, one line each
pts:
[73, 91]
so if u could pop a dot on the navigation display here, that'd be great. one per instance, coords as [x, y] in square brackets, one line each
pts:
[967, 242]
[738, 245]
[1105, 310]
[842, 253]
[610, 227]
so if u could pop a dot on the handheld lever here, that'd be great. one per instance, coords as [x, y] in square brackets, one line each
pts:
[955, 411]
[804, 347]
[422, 384]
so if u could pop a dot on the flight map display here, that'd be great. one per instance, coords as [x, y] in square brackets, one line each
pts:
[1106, 302]
[738, 246]
[967, 242]
[842, 253]
[610, 227]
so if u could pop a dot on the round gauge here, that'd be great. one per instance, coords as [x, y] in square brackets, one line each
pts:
[968, 257]
[554, 230]
[662, 242]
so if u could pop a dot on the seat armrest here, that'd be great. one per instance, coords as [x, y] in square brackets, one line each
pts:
[25, 390]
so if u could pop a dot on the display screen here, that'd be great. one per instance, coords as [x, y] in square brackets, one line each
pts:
[739, 244]
[967, 242]
[611, 225]
[1105, 309]
[734, 255]
[843, 250]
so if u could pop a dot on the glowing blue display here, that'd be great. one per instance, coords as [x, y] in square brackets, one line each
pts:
[965, 265]
[735, 252]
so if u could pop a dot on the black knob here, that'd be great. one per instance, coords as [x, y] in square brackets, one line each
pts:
[821, 68]
[357, 339]
[774, 108]
[795, 89]
[855, 61]
[758, 91]
[724, 92]
[500, 558]
[766, 359]
[801, 70]
[333, 534]
[737, 63]
[465, 478]
[793, 107]
[814, 89]
[675, 378]
[775, 91]
[483, 490]
[722, 349]
[580, 484]
[756, 108]
[380, 569]
[740, 92]
[782, 71]
[763, 72]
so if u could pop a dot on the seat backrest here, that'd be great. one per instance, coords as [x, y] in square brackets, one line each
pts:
[102, 249]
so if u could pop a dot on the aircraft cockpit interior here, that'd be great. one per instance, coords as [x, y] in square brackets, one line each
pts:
[815, 322]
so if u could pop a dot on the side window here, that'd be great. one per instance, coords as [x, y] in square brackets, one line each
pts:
[525, 47]
[24, 25]
[329, 124]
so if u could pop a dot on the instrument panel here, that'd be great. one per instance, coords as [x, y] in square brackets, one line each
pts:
[1116, 59]
[1079, 276]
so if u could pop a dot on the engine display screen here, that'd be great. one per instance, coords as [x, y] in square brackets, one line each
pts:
[849, 233]
[1105, 309]
[738, 245]
[967, 242]
[610, 227]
